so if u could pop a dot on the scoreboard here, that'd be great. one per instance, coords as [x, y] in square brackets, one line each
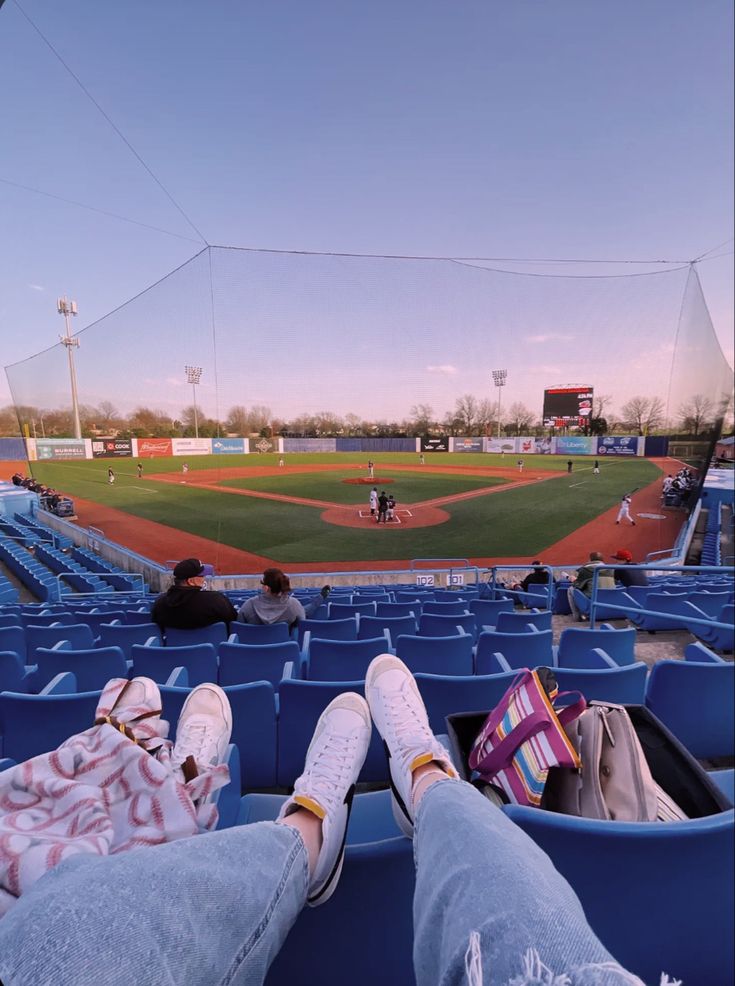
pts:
[564, 406]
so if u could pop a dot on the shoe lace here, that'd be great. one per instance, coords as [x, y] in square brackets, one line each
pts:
[197, 741]
[328, 773]
[409, 728]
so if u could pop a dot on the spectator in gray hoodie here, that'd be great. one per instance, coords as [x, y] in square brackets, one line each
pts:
[276, 604]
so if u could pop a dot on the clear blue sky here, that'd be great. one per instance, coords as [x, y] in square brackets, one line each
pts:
[522, 129]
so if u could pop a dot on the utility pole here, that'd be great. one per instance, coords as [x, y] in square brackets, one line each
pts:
[193, 376]
[68, 309]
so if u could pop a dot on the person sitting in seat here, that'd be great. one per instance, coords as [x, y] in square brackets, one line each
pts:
[583, 582]
[537, 576]
[625, 577]
[488, 903]
[187, 605]
[275, 604]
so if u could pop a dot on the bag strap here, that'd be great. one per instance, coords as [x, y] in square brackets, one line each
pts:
[496, 716]
[570, 712]
[502, 755]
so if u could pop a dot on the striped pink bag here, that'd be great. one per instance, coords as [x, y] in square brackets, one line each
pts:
[524, 736]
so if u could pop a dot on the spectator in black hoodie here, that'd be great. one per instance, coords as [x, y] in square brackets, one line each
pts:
[187, 605]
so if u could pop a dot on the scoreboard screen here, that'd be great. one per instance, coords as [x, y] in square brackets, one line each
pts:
[567, 406]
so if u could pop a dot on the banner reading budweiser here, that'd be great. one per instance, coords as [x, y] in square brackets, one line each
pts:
[150, 448]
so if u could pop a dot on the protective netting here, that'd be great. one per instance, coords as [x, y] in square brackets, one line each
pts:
[368, 344]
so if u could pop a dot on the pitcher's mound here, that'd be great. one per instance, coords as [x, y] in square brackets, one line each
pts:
[365, 481]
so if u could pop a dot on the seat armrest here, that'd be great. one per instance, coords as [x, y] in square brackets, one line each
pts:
[64, 683]
[152, 642]
[227, 798]
[604, 658]
[179, 678]
[61, 645]
[289, 672]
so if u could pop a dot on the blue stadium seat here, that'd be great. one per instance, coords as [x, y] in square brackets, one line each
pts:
[446, 694]
[94, 620]
[215, 634]
[33, 724]
[695, 701]
[621, 685]
[242, 663]
[200, 661]
[341, 660]
[454, 608]
[10, 620]
[487, 610]
[300, 703]
[518, 622]
[436, 655]
[91, 668]
[619, 598]
[719, 638]
[123, 636]
[431, 625]
[14, 676]
[371, 597]
[399, 609]
[576, 642]
[710, 603]
[328, 629]
[343, 611]
[666, 902]
[521, 650]
[375, 626]
[42, 619]
[14, 639]
[79, 636]
[259, 633]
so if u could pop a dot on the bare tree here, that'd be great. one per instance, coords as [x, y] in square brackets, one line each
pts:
[260, 418]
[238, 420]
[695, 413]
[600, 403]
[519, 417]
[643, 414]
[352, 424]
[108, 416]
[466, 413]
[421, 418]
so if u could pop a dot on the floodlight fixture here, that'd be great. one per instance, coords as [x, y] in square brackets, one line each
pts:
[499, 379]
[193, 376]
[68, 308]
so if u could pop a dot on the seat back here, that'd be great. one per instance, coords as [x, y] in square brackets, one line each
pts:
[253, 728]
[328, 629]
[300, 704]
[14, 639]
[40, 619]
[200, 661]
[454, 608]
[260, 633]
[10, 620]
[710, 603]
[695, 701]
[12, 672]
[33, 724]
[431, 625]
[342, 660]
[242, 663]
[436, 655]
[373, 626]
[517, 622]
[446, 694]
[622, 686]
[398, 609]
[342, 611]
[215, 633]
[672, 879]
[92, 668]
[123, 636]
[371, 597]
[576, 642]
[487, 610]
[521, 650]
[78, 634]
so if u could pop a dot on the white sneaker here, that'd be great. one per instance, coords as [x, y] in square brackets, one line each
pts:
[333, 762]
[204, 728]
[399, 715]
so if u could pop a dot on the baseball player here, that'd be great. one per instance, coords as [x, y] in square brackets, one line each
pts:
[520, 465]
[390, 514]
[624, 511]
[596, 469]
[371, 469]
[140, 470]
[373, 501]
[110, 477]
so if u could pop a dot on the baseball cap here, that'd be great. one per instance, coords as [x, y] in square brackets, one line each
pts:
[189, 568]
[622, 554]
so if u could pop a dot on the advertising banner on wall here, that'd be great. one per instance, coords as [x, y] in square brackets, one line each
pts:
[617, 445]
[262, 445]
[575, 445]
[506, 445]
[149, 448]
[535, 446]
[309, 444]
[228, 446]
[111, 448]
[61, 448]
[435, 444]
[192, 446]
[468, 444]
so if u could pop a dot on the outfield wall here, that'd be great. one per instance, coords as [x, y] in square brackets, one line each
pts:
[67, 449]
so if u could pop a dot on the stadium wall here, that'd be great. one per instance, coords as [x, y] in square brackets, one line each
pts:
[12, 449]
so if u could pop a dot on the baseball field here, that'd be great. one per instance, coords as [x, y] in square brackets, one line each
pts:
[313, 510]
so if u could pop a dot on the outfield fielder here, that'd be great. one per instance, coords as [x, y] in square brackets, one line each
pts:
[624, 512]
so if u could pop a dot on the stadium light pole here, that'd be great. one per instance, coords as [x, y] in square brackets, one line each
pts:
[193, 376]
[68, 309]
[499, 378]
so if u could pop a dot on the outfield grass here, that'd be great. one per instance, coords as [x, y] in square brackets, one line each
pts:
[507, 523]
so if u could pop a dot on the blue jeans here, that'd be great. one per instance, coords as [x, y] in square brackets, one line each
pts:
[216, 912]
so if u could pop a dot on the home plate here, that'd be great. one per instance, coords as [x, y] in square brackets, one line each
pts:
[654, 516]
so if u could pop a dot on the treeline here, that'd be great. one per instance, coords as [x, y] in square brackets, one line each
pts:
[471, 415]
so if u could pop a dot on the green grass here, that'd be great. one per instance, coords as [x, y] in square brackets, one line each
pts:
[407, 487]
[507, 523]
